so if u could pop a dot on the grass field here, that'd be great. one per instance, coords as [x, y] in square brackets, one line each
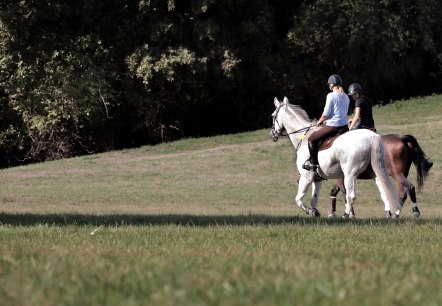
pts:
[212, 221]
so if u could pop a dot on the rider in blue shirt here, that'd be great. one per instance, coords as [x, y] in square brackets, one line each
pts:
[334, 116]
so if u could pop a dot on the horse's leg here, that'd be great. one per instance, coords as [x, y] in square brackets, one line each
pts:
[408, 188]
[404, 187]
[352, 214]
[316, 190]
[303, 186]
[383, 197]
[340, 184]
[332, 207]
[414, 208]
[350, 182]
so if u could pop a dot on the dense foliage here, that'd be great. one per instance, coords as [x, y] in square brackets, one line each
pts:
[90, 75]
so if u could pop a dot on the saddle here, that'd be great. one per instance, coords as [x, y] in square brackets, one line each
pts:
[327, 142]
[323, 145]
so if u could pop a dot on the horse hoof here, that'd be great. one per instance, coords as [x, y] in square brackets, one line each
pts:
[331, 215]
[314, 212]
[388, 214]
[416, 212]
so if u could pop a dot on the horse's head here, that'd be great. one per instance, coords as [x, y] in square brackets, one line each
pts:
[277, 126]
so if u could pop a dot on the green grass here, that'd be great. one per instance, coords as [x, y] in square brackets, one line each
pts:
[414, 111]
[297, 262]
[212, 221]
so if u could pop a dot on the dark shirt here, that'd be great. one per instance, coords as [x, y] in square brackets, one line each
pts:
[366, 112]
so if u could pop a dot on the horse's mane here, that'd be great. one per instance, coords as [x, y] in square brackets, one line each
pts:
[299, 112]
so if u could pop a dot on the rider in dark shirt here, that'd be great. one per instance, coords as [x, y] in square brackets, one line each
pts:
[363, 118]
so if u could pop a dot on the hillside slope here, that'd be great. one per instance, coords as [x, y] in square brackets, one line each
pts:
[226, 175]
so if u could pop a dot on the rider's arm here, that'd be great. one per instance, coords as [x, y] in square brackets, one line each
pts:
[322, 120]
[356, 118]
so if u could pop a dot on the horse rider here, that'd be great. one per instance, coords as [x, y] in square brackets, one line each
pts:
[363, 117]
[334, 116]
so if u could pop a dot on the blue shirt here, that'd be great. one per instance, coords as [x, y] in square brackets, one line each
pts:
[336, 109]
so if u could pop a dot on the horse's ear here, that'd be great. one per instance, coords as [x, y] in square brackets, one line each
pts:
[285, 101]
[276, 101]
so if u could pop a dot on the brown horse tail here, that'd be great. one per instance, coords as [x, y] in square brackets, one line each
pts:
[420, 160]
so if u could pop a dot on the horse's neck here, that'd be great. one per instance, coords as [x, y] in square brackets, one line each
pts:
[297, 127]
[298, 139]
[295, 121]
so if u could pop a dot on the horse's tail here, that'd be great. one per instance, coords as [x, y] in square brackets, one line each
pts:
[385, 185]
[420, 160]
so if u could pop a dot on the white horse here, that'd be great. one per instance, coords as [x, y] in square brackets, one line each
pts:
[350, 154]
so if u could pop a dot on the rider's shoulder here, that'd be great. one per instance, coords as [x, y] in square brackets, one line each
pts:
[333, 95]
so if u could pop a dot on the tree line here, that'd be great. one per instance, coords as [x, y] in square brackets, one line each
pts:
[86, 76]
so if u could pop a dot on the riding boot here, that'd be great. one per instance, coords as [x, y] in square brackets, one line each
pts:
[312, 147]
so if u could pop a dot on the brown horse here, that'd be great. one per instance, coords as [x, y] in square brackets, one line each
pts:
[400, 152]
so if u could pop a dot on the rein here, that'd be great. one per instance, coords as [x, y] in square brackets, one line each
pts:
[298, 131]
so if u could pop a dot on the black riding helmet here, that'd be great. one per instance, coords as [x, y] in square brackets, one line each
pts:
[335, 80]
[354, 88]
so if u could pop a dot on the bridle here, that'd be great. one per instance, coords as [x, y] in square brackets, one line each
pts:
[275, 134]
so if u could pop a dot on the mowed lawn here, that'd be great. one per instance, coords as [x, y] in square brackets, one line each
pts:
[212, 221]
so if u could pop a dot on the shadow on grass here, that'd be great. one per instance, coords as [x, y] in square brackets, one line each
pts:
[9, 219]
